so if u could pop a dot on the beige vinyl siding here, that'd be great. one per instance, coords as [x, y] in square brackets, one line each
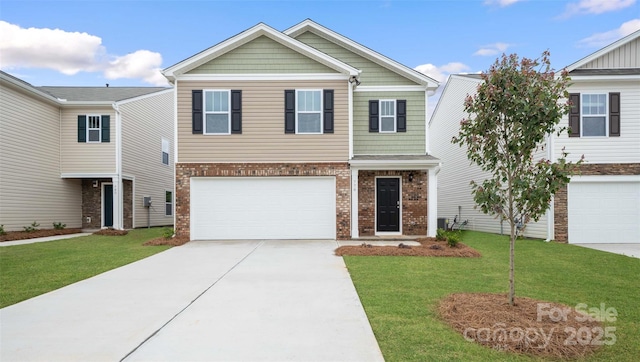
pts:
[400, 143]
[622, 149]
[30, 185]
[263, 138]
[261, 55]
[626, 56]
[372, 73]
[144, 123]
[454, 191]
[85, 158]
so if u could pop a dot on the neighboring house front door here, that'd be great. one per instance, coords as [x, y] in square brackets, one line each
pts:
[107, 205]
[388, 204]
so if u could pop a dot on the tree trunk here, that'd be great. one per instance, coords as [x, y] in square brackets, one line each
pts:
[512, 243]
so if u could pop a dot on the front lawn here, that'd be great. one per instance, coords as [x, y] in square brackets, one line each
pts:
[400, 294]
[33, 269]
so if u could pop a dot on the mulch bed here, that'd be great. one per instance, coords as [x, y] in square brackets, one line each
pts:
[23, 235]
[558, 332]
[427, 247]
[175, 241]
[111, 232]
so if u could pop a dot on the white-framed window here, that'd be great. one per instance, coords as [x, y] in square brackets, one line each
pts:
[168, 203]
[165, 151]
[217, 117]
[387, 116]
[593, 120]
[309, 111]
[94, 130]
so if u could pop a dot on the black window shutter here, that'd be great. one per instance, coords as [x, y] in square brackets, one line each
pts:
[328, 111]
[104, 123]
[574, 115]
[290, 111]
[236, 111]
[196, 111]
[401, 117]
[614, 114]
[373, 115]
[82, 128]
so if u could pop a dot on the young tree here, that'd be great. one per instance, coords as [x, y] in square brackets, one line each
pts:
[516, 106]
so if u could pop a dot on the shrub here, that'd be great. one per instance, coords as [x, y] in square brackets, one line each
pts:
[167, 233]
[2, 232]
[441, 235]
[453, 238]
[59, 226]
[31, 228]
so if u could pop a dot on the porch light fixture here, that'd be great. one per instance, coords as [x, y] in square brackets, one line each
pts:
[355, 80]
[95, 183]
[411, 177]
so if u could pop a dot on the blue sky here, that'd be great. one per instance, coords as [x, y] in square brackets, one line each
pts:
[124, 43]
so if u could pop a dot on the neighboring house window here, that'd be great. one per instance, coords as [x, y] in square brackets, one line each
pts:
[217, 112]
[168, 205]
[93, 128]
[217, 106]
[388, 115]
[594, 115]
[165, 151]
[308, 111]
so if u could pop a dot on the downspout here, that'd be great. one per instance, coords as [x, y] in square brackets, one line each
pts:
[175, 152]
[118, 191]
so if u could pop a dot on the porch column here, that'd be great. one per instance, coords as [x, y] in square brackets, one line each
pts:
[117, 203]
[432, 203]
[354, 203]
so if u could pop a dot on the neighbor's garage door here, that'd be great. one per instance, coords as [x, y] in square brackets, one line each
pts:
[604, 212]
[263, 208]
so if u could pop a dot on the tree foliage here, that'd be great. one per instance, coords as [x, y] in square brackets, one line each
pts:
[519, 103]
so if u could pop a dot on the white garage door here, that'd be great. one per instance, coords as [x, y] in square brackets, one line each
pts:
[263, 208]
[604, 212]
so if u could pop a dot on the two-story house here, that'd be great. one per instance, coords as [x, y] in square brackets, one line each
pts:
[601, 204]
[85, 156]
[301, 134]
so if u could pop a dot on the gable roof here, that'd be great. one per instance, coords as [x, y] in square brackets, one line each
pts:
[633, 36]
[6, 77]
[248, 35]
[310, 25]
[99, 94]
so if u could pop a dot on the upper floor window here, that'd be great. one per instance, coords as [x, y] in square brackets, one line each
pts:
[93, 128]
[387, 116]
[165, 151]
[309, 111]
[217, 105]
[594, 115]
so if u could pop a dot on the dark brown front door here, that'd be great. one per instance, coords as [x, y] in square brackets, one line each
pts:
[388, 204]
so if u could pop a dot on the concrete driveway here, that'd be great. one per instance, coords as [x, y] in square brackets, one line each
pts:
[204, 301]
[632, 249]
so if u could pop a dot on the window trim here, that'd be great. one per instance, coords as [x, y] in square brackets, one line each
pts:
[168, 203]
[168, 151]
[205, 112]
[88, 139]
[606, 114]
[320, 111]
[395, 115]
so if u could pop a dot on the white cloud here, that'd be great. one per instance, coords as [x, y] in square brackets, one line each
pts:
[73, 52]
[492, 49]
[442, 72]
[596, 6]
[501, 3]
[599, 40]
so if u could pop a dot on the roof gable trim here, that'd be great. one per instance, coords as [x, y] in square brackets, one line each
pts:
[603, 51]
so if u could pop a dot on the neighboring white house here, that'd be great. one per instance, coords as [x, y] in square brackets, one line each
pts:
[602, 204]
[85, 156]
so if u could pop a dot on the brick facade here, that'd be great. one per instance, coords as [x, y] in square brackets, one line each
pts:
[92, 203]
[414, 201]
[560, 204]
[127, 204]
[184, 171]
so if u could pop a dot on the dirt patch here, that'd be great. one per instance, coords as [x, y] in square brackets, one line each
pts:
[23, 235]
[175, 241]
[111, 232]
[530, 327]
[427, 247]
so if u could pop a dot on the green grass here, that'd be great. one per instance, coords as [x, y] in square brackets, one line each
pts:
[400, 294]
[33, 269]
